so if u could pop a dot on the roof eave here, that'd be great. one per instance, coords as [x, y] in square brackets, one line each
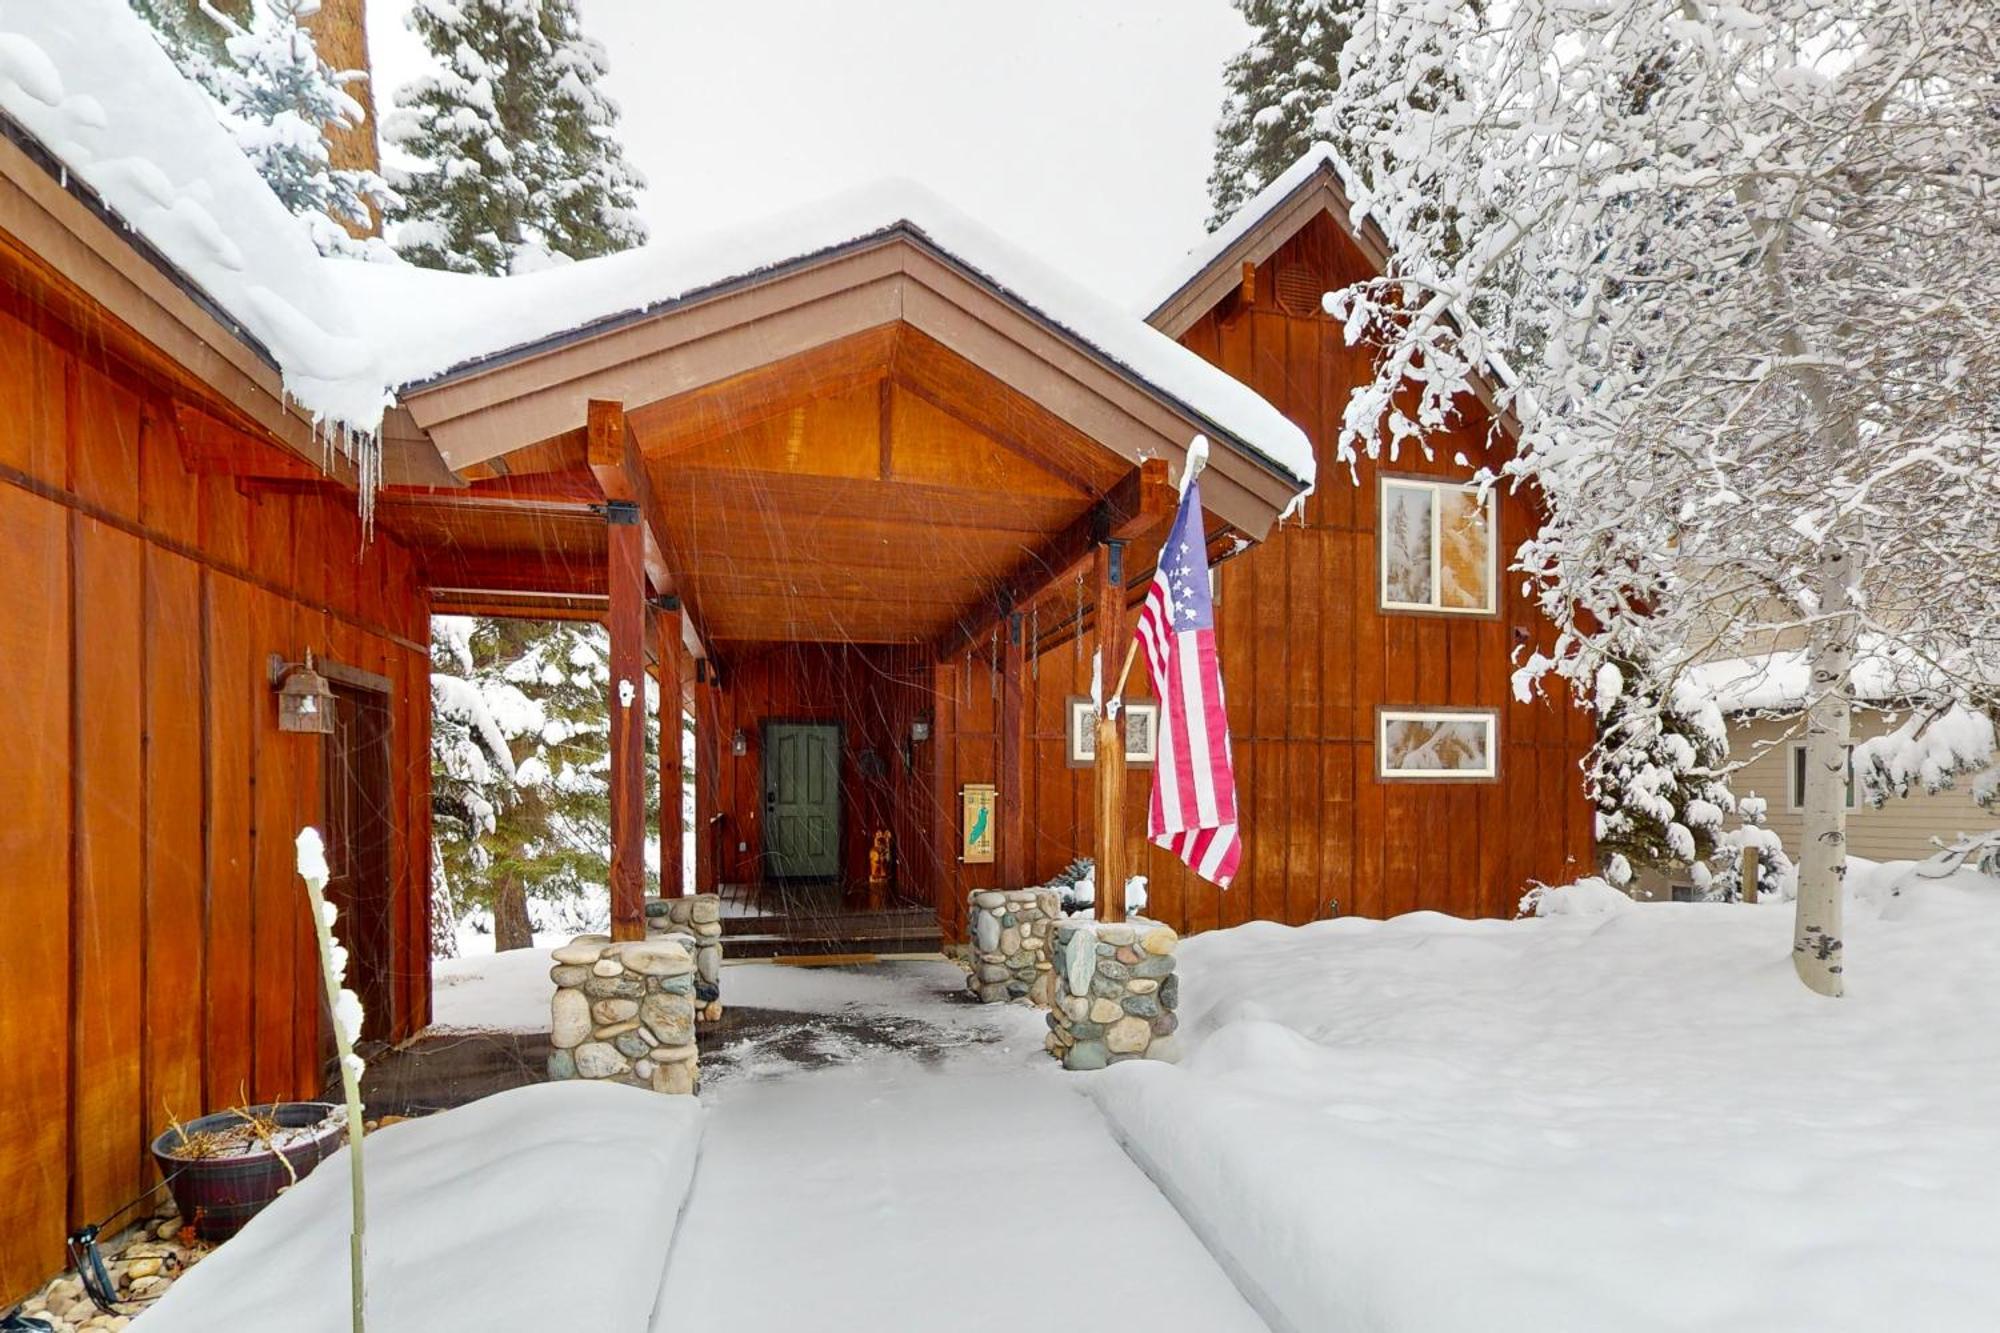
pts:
[901, 231]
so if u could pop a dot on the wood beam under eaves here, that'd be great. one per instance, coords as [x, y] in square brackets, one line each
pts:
[1141, 501]
[612, 450]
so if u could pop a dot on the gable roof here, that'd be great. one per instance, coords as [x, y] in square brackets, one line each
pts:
[1319, 182]
[86, 81]
[442, 328]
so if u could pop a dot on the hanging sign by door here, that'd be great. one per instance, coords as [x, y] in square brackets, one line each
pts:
[976, 831]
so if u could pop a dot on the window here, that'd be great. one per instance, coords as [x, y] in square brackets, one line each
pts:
[1799, 776]
[1438, 544]
[1440, 744]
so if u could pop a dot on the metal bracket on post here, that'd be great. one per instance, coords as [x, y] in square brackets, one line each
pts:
[669, 602]
[621, 513]
[1116, 558]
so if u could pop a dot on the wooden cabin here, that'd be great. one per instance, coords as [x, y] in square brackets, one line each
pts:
[862, 501]
[158, 955]
[1321, 655]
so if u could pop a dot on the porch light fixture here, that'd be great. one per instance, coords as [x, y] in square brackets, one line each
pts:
[920, 727]
[305, 700]
[739, 744]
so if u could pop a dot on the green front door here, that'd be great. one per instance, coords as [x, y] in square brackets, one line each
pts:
[801, 800]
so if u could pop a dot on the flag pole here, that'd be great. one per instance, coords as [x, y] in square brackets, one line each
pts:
[1197, 459]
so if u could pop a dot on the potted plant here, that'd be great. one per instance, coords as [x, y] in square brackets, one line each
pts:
[223, 1168]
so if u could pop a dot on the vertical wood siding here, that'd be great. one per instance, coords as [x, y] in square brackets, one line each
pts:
[1307, 657]
[157, 955]
[873, 693]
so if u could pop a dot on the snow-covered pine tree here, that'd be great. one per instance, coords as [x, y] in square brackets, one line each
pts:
[520, 165]
[1656, 775]
[1278, 88]
[520, 756]
[279, 98]
[1740, 259]
[190, 36]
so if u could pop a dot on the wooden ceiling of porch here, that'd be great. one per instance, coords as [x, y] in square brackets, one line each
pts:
[876, 489]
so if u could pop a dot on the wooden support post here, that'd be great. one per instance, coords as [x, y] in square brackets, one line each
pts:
[627, 621]
[705, 789]
[949, 881]
[1011, 847]
[667, 638]
[1747, 870]
[1107, 572]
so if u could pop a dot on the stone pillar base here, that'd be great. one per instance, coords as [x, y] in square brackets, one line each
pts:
[1008, 958]
[625, 1012]
[1116, 993]
[699, 917]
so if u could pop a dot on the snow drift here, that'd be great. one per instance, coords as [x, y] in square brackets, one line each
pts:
[551, 1206]
[1633, 1120]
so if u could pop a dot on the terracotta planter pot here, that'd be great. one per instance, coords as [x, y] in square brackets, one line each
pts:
[219, 1194]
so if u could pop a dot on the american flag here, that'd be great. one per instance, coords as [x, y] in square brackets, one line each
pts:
[1194, 789]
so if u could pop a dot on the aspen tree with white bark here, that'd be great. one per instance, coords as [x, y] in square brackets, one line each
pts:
[1735, 269]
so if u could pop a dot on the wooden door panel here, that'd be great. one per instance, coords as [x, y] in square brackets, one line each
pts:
[802, 800]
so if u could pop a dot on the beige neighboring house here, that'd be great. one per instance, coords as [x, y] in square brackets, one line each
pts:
[1763, 700]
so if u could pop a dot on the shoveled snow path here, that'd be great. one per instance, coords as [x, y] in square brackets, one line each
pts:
[973, 1189]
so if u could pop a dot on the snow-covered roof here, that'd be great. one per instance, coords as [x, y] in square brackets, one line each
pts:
[434, 323]
[87, 80]
[1321, 158]
[1781, 682]
[1322, 161]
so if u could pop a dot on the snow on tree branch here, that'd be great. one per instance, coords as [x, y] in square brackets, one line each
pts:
[1732, 269]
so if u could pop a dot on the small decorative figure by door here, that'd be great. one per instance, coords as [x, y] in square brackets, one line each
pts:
[881, 859]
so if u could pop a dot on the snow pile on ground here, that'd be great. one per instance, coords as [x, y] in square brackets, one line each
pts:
[494, 992]
[547, 1207]
[1589, 896]
[1636, 1120]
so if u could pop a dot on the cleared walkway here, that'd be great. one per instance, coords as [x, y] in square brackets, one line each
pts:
[892, 1158]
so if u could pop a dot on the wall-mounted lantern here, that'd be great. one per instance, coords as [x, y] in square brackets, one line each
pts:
[739, 744]
[305, 700]
[920, 727]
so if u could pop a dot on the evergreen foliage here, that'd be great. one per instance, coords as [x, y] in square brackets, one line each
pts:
[520, 772]
[1278, 87]
[257, 60]
[519, 163]
[1657, 775]
[190, 35]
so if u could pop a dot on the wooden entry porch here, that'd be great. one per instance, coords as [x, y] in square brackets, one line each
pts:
[777, 920]
[821, 496]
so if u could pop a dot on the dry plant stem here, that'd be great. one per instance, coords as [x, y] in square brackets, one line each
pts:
[350, 1085]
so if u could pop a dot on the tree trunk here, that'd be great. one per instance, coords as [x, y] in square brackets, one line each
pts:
[1816, 931]
[511, 928]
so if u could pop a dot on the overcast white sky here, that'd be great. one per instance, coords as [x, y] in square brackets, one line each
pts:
[1081, 129]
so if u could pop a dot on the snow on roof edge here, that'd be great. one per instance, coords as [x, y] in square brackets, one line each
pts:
[438, 325]
[89, 83]
[1322, 157]
[1781, 681]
